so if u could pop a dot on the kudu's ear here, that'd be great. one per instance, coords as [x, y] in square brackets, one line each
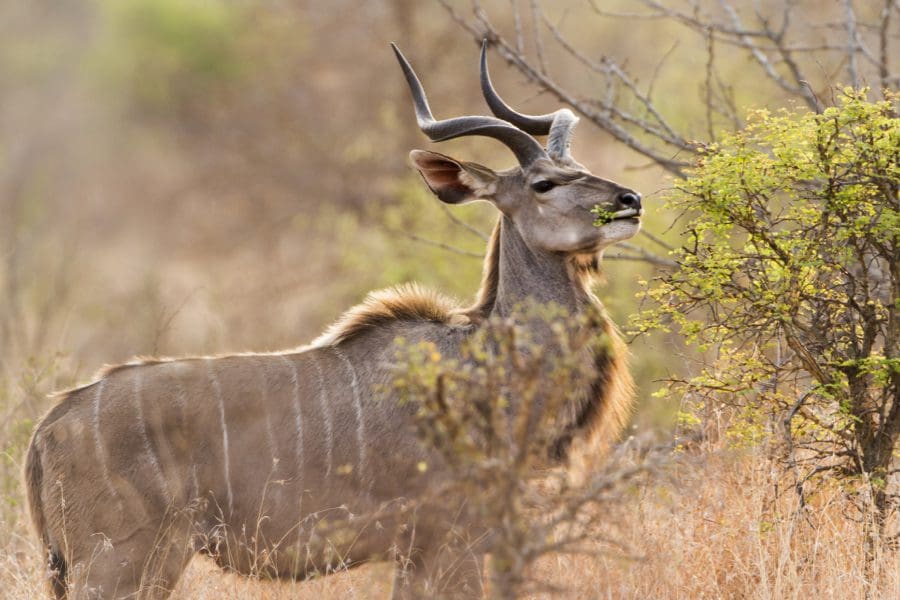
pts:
[454, 181]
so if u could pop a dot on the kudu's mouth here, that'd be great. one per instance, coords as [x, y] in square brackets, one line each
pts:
[604, 217]
[626, 213]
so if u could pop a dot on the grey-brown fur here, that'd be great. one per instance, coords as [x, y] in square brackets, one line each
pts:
[300, 462]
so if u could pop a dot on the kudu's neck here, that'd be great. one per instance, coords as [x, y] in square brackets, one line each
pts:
[514, 273]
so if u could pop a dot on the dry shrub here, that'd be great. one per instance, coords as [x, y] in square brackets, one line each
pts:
[716, 529]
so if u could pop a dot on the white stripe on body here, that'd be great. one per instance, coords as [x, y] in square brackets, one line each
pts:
[226, 466]
[326, 416]
[101, 454]
[180, 396]
[360, 423]
[270, 432]
[298, 417]
[194, 483]
[145, 438]
[181, 400]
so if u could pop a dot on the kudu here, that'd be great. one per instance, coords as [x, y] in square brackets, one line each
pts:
[283, 464]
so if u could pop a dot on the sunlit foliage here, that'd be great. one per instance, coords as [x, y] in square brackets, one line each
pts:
[789, 280]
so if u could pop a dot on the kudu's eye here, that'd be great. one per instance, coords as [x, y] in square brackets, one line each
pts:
[542, 186]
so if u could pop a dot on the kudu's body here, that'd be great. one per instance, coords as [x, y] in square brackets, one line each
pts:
[302, 462]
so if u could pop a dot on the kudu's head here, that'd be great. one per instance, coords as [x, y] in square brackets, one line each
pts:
[549, 196]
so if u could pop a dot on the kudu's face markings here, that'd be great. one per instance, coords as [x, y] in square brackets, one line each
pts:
[226, 461]
[552, 209]
[336, 406]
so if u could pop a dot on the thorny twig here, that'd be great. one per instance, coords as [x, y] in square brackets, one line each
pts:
[606, 116]
[436, 244]
[641, 254]
[457, 221]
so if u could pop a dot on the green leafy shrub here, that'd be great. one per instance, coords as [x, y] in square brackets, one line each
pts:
[789, 282]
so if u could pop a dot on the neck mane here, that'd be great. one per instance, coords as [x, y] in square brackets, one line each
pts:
[510, 274]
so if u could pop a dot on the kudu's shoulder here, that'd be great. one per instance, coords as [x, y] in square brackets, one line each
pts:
[402, 303]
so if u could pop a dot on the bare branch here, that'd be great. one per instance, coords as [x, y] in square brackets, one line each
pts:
[610, 68]
[640, 124]
[538, 41]
[435, 243]
[659, 67]
[657, 240]
[852, 42]
[640, 254]
[602, 118]
[883, 71]
[456, 220]
[517, 25]
[164, 321]
[797, 88]
[626, 15]
[710, 58]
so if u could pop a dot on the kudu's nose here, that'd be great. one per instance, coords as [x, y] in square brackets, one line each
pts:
[630, 200]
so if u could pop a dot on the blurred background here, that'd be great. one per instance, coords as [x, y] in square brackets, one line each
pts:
[210, 176]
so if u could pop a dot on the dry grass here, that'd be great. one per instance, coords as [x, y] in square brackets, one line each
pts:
[712, 530]
[720, 534]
